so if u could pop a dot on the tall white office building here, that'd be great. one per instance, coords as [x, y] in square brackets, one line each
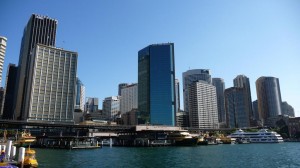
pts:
[111, 107]
[51, 85]
[203, 108]
[129, 98]
[190, 77]
[3, 41]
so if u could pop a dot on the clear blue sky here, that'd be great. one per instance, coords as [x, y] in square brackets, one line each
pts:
[251, 37]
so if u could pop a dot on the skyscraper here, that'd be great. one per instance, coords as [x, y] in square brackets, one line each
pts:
[39, 30]
[3, 41]
[156, 84]
[190, 77]
[242, 81]
[268, 97]
[203, 108]
[129, 98]
[177, 93]
[50, 85]
[237, 113]
[11, 76]
[80, 96]
[220, 88]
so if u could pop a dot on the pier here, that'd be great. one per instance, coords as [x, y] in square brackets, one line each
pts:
[70, 136]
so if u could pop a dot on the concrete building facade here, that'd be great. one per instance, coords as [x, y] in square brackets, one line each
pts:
[3, 42]
[190, 77]
[129, 98]
[51, 85]
[202, 101]
[39, 30]
[111, 107]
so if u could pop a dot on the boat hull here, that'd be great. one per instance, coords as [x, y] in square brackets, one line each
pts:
[186, 142]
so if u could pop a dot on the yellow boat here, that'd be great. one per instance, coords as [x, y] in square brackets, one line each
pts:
[25, 139]
[29, 159]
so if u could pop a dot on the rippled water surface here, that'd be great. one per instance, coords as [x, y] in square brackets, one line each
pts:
[285, 155]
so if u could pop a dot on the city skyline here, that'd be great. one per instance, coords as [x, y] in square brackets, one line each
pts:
[260, 38]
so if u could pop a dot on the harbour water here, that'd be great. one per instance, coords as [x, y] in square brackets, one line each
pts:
[285, 155]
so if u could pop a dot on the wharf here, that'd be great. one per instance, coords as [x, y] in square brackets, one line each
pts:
[67, 142]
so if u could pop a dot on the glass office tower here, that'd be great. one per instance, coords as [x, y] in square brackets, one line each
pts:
[156, 85]
[220, 88]
[268, 97]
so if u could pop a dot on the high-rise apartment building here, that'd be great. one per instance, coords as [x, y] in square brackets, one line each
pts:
[39, 30]
[177, 93]
[80, 96]
[242, 81]
[3, 41]
[190, 77]
[268, 97]
[129, 98]
[50, 85]
[156, 85]
[11, 76]
[237, 113]
[111, 107]
[203, 108]
[220, 88]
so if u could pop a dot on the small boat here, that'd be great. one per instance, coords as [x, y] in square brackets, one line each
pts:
[225, 140]
[211, 141]
[201, 141]
[29, 159]
[25, 139]
[182, 139]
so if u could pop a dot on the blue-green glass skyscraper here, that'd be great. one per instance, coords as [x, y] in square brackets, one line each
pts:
[156, 89]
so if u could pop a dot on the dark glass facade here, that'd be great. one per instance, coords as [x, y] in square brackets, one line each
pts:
[156, 78]
[237, 114]
[9, 92]
[268, 97]
[242, 81]
[220, 87]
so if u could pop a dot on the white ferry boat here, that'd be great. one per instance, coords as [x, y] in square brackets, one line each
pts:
[262, 136]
